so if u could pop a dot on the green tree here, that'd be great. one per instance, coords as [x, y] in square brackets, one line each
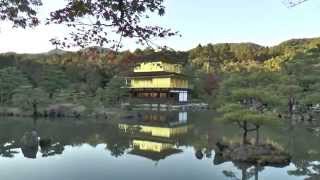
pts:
[10, 79]
[247, 119]
[52, 80]
[302, 79]
[114, 93]
[246, 101]
[30, 98]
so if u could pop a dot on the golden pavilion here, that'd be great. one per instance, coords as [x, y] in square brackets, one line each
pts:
[158, 79]
[156, 136]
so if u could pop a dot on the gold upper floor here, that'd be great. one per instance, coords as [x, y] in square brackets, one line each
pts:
[158, 82]
[151, 145]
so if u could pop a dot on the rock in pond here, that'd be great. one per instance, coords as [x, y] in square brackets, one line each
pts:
[261, 154]
[29, 144]
[29, 139]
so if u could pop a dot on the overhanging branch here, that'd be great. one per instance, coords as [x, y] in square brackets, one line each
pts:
[293, 3]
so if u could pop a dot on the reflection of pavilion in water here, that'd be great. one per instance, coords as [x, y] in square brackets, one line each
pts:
[155, 135]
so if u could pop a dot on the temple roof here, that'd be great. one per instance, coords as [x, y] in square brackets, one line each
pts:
[155, 156]
[159, 60]
[153, 74]
[173, 57]
[164, 124]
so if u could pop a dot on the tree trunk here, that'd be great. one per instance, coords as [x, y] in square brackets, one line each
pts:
[50, 95]
[35, 109]
[244, 174]
[245, 133]
[301, 117]
[256, 173]
[35, 122]
[310, 118]
[257, 134]
[290, 106]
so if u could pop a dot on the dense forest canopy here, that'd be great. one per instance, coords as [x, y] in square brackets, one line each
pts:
[94, 76]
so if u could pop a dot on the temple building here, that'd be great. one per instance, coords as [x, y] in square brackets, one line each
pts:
[156, 136]
[158, 79]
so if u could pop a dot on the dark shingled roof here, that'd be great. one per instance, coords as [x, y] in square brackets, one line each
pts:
[159, 59]
[155, 156]
[153, 74]
[171, 123]
[174, 57]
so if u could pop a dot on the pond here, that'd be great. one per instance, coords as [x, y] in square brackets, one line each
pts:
[161, 145]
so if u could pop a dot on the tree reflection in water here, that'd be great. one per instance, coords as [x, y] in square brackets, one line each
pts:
[310, 170]
[197, 133]
[8, 149]
[306, 168]
[247, 172]
[50, 149]
[305, 148]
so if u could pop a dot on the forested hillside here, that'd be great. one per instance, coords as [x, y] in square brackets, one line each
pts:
[93, 77]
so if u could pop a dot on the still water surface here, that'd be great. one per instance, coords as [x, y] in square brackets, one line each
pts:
[157, 146]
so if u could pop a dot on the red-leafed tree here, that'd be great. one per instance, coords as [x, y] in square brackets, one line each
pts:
[93, 22]
[211, 83]
[22, 13]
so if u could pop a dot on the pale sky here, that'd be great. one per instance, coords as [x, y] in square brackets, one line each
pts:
[265, 22]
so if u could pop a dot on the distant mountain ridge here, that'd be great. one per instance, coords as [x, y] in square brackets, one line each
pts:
[302, 42]
[56, 51]
[203, 57]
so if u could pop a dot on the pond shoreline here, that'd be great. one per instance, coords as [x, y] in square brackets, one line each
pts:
[75, 111]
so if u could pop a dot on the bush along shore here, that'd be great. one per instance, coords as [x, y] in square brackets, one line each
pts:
[64, 111]
[76, 111]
